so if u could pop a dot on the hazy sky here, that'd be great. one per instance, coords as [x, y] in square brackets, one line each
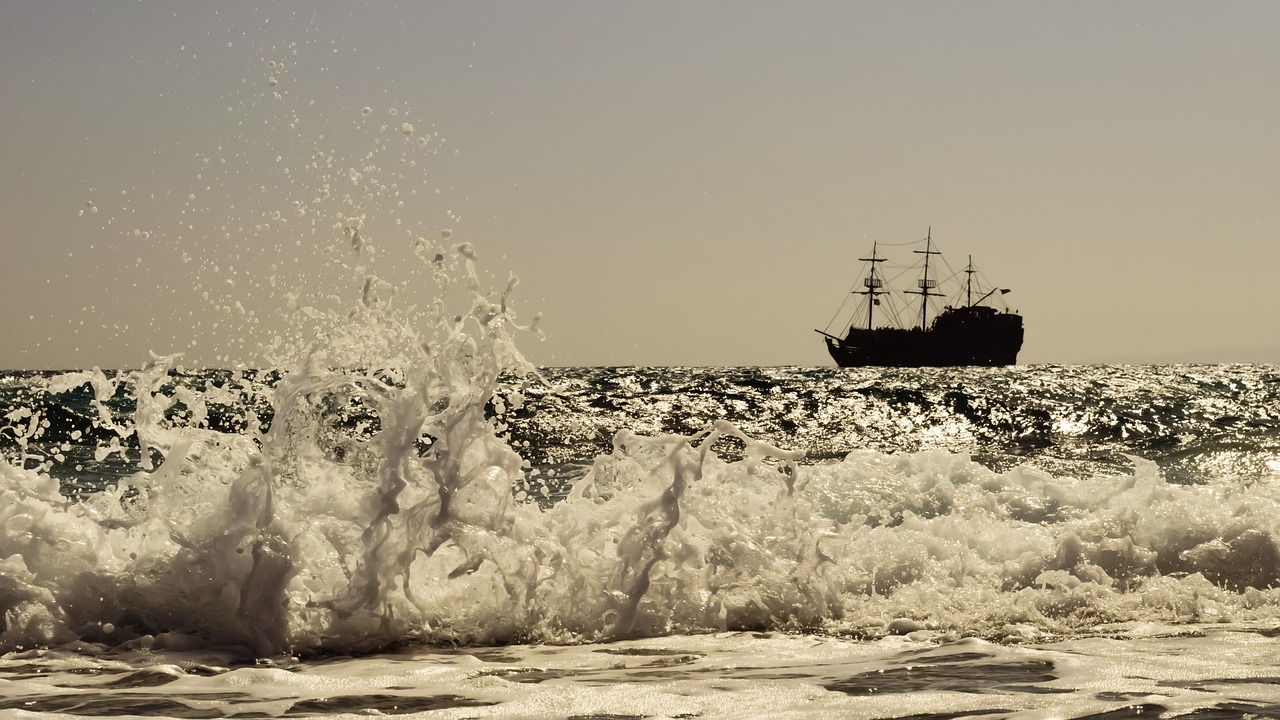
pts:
[674, 183]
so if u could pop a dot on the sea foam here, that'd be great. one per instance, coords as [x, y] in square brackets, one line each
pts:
[302, 537]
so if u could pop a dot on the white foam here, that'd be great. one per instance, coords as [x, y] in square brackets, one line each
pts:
[307, 537]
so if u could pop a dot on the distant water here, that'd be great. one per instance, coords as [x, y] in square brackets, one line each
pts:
[1091, 541]
[1198, 423]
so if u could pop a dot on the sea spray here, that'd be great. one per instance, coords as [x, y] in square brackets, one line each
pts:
[207, 544]
[299, 532]
[306, 538]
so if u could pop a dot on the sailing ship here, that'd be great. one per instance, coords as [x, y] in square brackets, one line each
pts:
[965, 332]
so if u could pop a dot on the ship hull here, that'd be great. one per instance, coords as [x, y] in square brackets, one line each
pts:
[957, 338]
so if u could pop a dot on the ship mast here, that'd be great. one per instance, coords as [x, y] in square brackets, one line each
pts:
[969, 283]
[872, 282]
[925, 284]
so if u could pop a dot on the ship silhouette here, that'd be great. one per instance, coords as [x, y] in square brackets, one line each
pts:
[965, 332]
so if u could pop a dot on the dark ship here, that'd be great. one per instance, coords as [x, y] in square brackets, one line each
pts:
[965, 332]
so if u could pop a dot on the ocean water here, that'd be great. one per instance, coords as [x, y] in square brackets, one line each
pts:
[464, 535]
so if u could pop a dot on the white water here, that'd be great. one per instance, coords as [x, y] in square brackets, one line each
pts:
[305, 539]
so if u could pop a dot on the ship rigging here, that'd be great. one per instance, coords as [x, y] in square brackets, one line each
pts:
[964, 332]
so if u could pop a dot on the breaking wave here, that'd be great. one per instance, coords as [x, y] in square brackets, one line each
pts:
[418, 522]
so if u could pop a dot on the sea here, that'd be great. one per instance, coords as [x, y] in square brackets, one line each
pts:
[459, 534]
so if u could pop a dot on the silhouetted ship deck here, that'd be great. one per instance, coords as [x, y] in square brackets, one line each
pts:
[965, 332]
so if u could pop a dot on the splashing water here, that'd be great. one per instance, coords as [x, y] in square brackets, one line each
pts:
[298, 538]
[419, 525]
[425, 525]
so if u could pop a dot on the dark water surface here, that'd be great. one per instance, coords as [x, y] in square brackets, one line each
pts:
[1194, 421]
